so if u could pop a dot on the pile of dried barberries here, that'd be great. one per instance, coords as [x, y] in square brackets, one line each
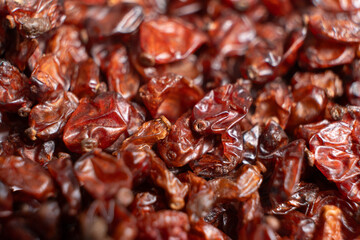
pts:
[179, 119]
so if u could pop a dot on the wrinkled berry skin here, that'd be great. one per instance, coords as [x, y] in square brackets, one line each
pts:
[14, 92]
[101, 121]
[180, 119]
[220, 109]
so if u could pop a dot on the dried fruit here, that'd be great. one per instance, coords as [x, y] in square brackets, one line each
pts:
[26, 176]
[100, 122]
[165, 40]
[220, 109]
[34, 18]
[163, 93]
[102, 174]
[181, 119]
[14, 94]
[47, 120]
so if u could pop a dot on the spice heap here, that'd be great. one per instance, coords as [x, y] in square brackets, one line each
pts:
[181, 119]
